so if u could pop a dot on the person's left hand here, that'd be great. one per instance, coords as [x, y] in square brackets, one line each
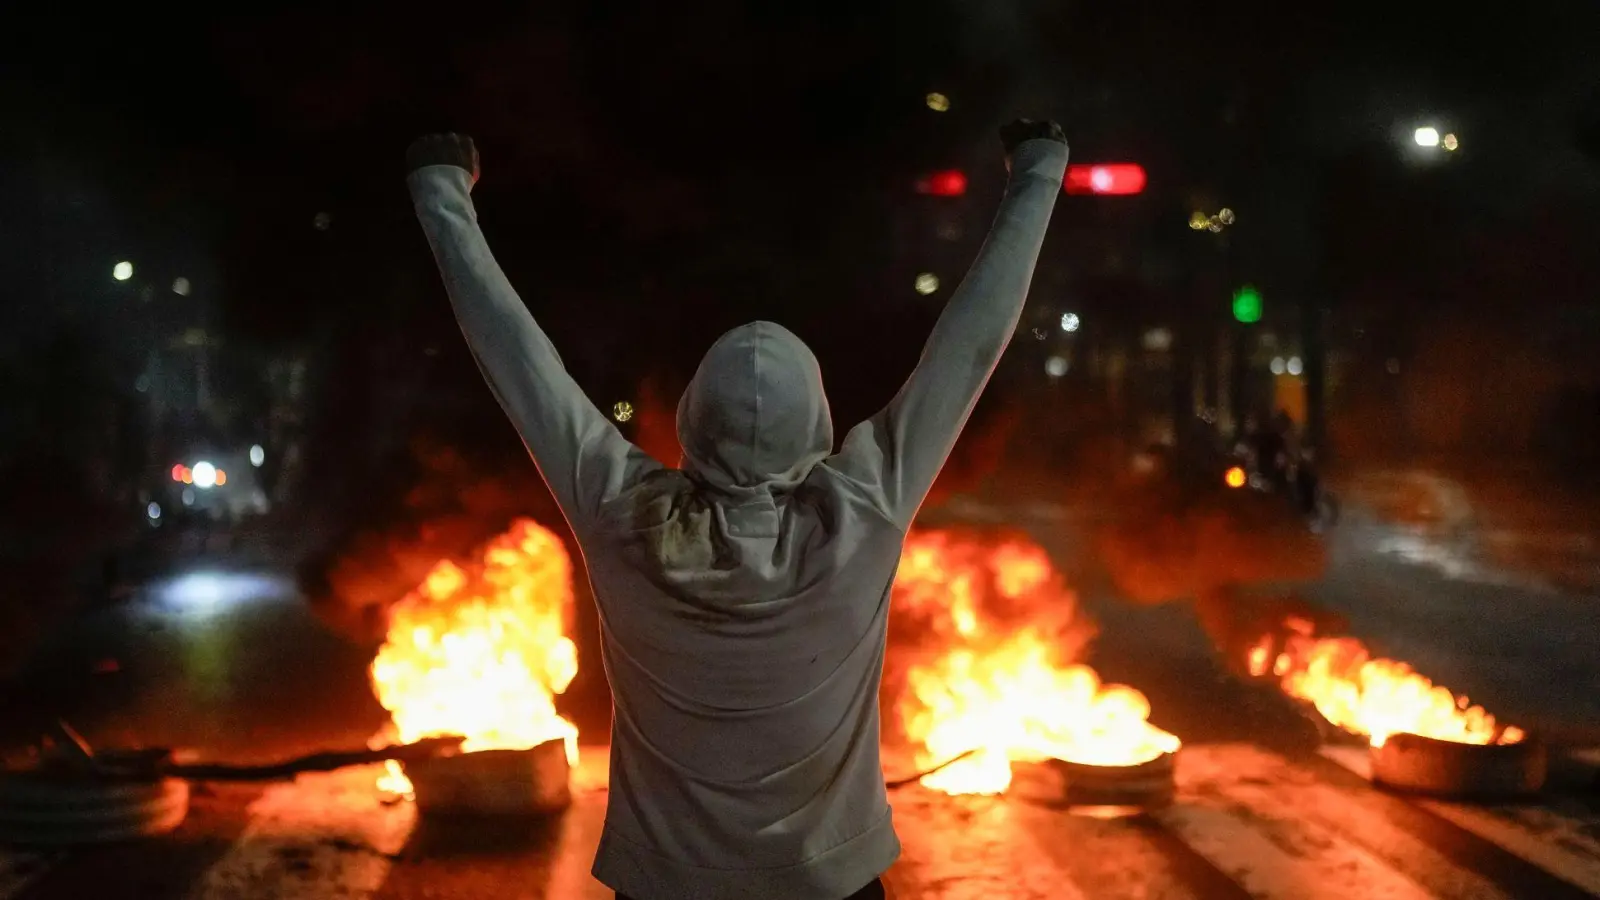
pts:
[443, 150]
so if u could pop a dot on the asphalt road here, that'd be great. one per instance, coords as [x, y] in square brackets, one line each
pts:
[232, 665]
[1247, 823]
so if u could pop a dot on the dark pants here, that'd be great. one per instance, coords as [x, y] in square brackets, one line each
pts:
[873, 891]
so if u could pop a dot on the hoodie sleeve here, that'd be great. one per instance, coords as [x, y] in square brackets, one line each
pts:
[582, 456]
[898, 453]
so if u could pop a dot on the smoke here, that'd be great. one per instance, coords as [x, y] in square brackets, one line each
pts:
[453, 507]
[656, 419]
[1220, 549]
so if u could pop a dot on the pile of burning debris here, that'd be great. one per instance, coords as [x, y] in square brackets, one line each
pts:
[1422, 736]
[982, 669]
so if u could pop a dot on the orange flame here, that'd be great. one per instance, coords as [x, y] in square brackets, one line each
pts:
[481, 651]
[1374, 697]
[1003, 692]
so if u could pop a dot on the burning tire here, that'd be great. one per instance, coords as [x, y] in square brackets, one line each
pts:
[1144, 787]
[1422, 765]
[530, 782]
[61, 809]
[1099, 790]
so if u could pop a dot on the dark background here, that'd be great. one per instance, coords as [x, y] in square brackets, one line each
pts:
[654, 175]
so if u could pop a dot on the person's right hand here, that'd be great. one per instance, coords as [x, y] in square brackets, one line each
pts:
[1014, 135]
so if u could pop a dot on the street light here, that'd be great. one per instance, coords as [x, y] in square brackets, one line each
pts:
[1200, 221]
[1426, 136]
[122, 271]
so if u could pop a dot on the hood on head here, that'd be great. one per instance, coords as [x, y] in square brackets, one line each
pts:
[755, 413]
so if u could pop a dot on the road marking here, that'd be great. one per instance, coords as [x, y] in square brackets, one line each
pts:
[969, 848]
[1533, 835]
[1563, 845]
[1271, 786]
[1266, 846]
[321, 837]
[20, 869]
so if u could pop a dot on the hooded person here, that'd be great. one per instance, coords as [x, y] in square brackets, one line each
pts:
[744, 597]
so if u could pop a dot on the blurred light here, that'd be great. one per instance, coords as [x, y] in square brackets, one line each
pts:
[1214, 225]
[1278, 367]
[1108, 179]
[205, 474]
[1451, 142]
[1234, 477]
[322, 221]
[188, 497]
[1296, 366]
[257, 455]
[1070, 322]
[153, 511]
[213, 591]
[1426, 136]
[927, 283]
[1158, 339]
[180, 472]
[1225, 216]
[1247, 305]
[623, 411]
[938, 102]
[222, 478]
[188, 476]
[1393, 365]
[949, 183]
[1056, 366]
[180, 286]
[1199, 220]
[142, 384]
[122, 271]
[1039, 335]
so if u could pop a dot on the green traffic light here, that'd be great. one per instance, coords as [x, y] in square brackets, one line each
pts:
[1247, 305]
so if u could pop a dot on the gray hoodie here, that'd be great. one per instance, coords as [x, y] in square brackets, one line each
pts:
[744, 598]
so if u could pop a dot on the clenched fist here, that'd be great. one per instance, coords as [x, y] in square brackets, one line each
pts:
[1014, 135]
[443, 150]
[1017, 132]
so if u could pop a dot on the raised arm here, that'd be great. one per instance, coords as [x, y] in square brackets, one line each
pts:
[582, 456]
[898, 452]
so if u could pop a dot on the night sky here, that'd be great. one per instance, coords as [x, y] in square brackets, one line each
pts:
[656, 173]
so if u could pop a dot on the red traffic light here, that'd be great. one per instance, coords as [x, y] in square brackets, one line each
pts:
[949, 183]
[1105, 178]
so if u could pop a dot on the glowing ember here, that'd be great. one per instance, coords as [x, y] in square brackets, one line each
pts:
[481, 651]
[1371, 697]
[1001, 625]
